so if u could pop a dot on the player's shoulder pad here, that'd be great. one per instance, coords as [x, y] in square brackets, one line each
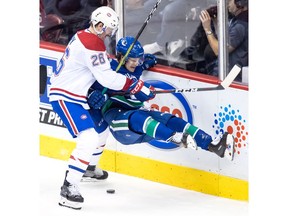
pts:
[91, 41]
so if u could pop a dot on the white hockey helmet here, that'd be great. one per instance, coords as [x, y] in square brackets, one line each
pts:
[107, 16]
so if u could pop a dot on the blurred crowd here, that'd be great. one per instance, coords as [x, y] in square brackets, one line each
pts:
[181, 33]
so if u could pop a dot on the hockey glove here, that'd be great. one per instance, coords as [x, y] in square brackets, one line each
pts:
[96, 99]
[149, 61]
[142, 91]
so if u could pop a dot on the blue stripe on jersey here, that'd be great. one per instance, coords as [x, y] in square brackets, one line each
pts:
[76, 168]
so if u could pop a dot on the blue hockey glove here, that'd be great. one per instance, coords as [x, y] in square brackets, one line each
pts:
[149, 61]
[142, 91]
[96, 99]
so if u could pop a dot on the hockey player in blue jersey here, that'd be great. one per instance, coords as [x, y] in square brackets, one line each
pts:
[130, 123]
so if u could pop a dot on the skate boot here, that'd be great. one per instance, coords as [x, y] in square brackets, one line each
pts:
[93, 174]
[183, 140]
[153, 48]
[223, 146]
[70, 196]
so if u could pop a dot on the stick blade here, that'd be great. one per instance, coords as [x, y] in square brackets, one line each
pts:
[231, 76]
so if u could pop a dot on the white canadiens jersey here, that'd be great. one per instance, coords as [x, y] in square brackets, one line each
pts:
[84, 61]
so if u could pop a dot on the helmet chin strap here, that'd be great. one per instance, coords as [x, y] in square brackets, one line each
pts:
[97, 32]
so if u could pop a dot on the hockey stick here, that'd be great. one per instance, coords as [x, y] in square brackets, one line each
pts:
[223, 85]
[136, 38]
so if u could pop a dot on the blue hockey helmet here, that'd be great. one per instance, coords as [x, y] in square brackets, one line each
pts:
[123, 45]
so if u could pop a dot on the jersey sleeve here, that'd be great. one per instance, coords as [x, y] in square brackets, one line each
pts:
[97, 61]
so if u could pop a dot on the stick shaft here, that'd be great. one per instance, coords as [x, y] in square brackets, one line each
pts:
[223, 85]
[219, 87]
[138, 34]
[147, 19]
[136, 38]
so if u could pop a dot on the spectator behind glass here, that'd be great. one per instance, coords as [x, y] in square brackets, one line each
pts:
[50, 25]
[199, 50]
[75, 14]
[135, 13]
[237, 37]
[175, 28]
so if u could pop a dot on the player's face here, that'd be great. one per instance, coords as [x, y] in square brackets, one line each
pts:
[110, 32]
[132, 63]
[107, 31]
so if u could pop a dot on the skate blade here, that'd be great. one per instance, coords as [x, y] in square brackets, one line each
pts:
[229, 152]
[89, 179]
[69, 204]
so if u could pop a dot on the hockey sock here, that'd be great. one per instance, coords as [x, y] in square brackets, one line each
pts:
[96, 156]
[191, 129]
[157, 130]
[87, 142]
[143, 123]
[202, 139]
[177, 124]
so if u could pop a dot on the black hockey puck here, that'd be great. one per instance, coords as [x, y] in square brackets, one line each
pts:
[110, 191]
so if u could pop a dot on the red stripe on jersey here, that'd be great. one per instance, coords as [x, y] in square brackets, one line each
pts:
[82, 161]
[67, 92]
[68, 116]
[91, 41]
[128, 83]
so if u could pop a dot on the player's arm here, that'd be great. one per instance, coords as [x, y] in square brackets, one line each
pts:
[99, 65]
[139, 90]
[149, 61]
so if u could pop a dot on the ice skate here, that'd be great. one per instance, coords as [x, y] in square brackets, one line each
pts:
[153, 48]
[230, 147]
[70, 196]
[183, 139]
[174, 48]
[94, 174]
[188, 141]
[223, 146]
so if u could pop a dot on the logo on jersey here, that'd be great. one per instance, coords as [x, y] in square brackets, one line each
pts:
[83, 117]
[138, 86]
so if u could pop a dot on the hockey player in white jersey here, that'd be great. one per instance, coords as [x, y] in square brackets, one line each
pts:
[85, 61]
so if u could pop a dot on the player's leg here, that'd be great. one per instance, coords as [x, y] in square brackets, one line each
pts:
[118, 121]
[142, 121]
[223, 145]
[80, 124]
[178, 125]
[94, 172]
